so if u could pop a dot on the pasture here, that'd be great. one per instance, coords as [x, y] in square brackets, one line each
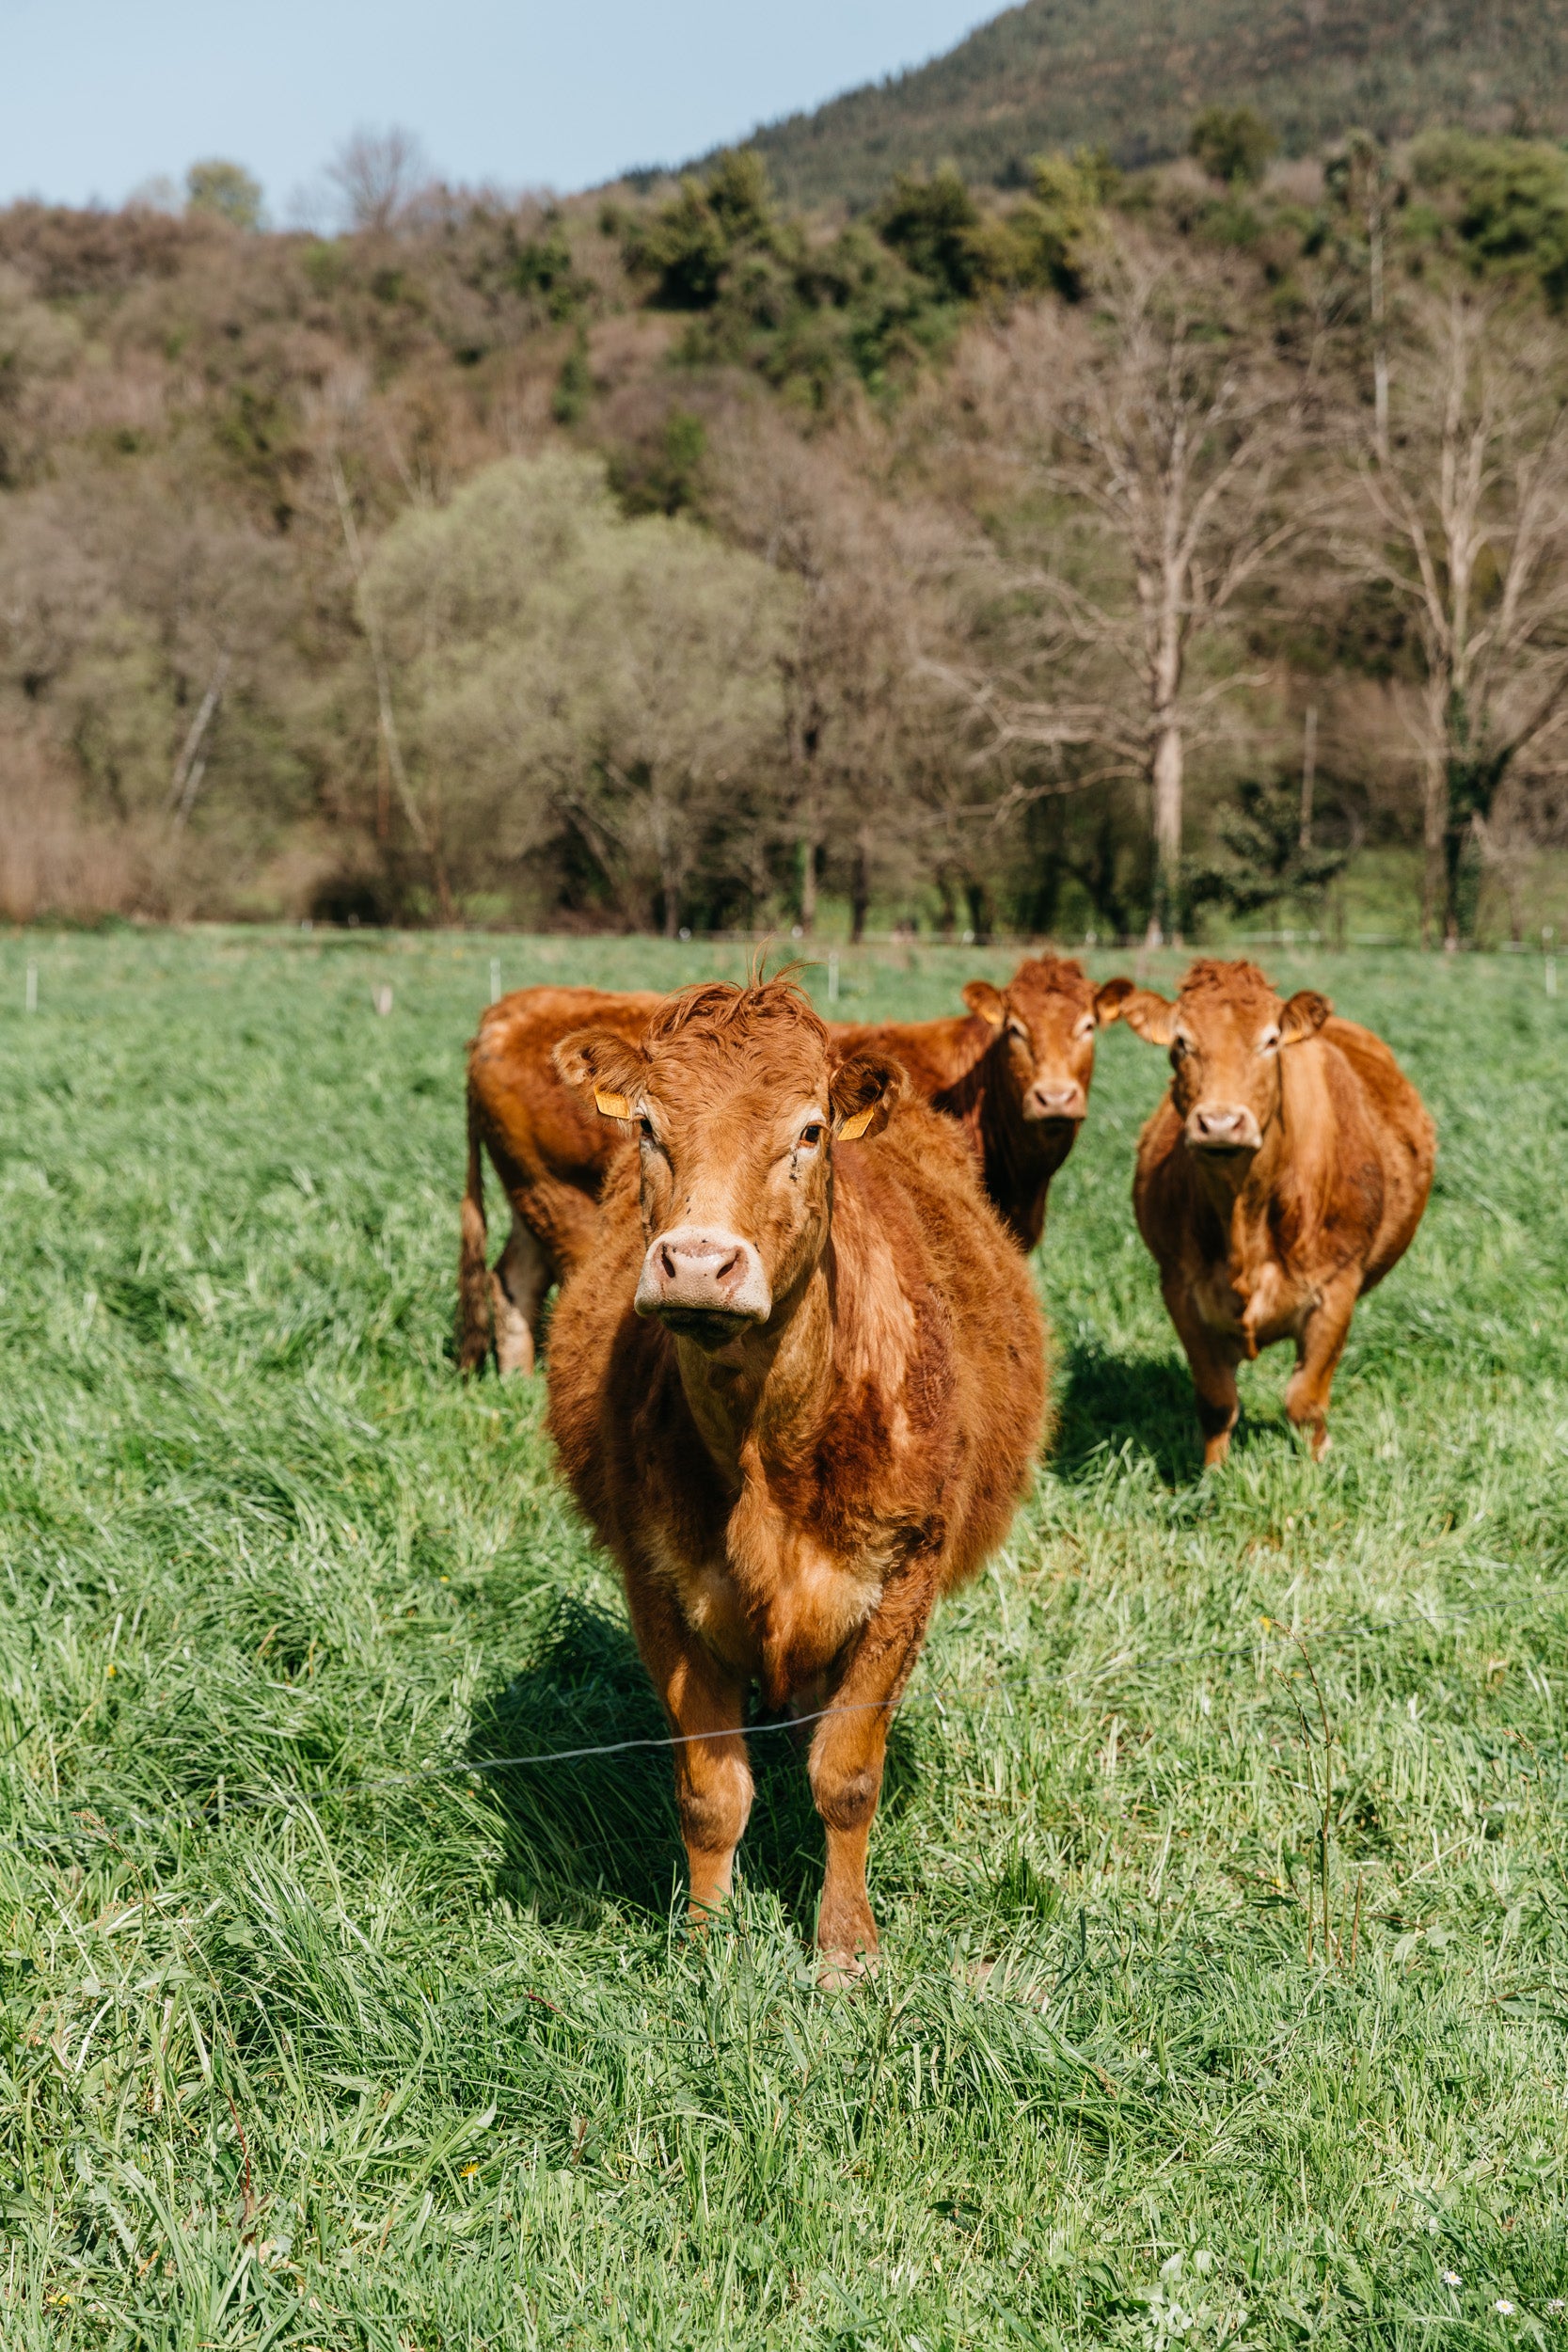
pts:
[314, 2036]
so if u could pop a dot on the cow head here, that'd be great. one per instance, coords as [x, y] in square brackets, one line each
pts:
[1045, 1019]
[1225, 1032]
[736, 1100]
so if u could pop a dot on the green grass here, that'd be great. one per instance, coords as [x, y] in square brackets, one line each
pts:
[293, 2060]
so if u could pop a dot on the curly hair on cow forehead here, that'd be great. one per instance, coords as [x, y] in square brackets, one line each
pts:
[733, 1014]
[1211, 977]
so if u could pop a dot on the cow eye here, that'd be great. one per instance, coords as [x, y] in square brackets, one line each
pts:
[1016, 1029]
[645, 1129]
[1177, 1047]
[1084, 1026]
[1269, 1040]
[810, 1136]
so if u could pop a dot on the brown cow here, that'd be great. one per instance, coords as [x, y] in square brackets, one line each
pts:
[548, 1150]
[1284, 1173]
[1014, 1071]
[796, 1387]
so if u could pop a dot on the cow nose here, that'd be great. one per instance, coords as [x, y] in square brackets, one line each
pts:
[1224, 1127]
[700, 1270]
[1054, 1097]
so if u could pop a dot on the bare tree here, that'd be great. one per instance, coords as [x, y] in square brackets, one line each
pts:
[378, 174]
[1164, 445]
[862, 728]
[1466, 525]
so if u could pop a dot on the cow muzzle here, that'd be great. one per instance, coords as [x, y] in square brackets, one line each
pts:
[704, 1283]
[1221, 1127]
[1055, 1098]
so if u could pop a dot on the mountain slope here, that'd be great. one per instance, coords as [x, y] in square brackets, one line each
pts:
[1131, 74]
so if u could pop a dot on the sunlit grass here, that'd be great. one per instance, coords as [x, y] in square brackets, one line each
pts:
[290, 2059]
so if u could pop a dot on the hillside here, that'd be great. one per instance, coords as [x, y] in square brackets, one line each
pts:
[1129, 74]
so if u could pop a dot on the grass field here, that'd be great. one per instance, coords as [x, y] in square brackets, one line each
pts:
[306, 2043]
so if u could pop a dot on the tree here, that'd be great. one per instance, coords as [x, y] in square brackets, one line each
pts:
[864, 731]
[1233, 144]
[1466, 525]
[225, 190]
[1162, 440]
[377, 175]
[562, 666]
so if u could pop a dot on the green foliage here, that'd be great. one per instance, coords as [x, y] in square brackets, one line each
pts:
[311, 2035]
[689, 245]
[1065, 73]
[1233, 144]
[574, 386]
[1263, 860]
[931, 224]
[543, 267]
[225, 190]
[663, 479]
[1513, 202]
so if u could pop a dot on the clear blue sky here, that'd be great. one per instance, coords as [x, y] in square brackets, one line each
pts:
[97, 96]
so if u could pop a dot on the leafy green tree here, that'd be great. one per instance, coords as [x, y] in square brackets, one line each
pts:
[689, 243]
[1264, 859]
[1233, 144]
[226, 191]
[931, 224]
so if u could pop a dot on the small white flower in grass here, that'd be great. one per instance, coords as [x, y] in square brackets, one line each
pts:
[1557, 2307]
[1432, 2224]
[1503, 2305]
[1449, 2277]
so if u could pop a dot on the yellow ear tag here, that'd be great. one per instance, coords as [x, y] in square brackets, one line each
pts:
[854, 1128]
[612, 1106]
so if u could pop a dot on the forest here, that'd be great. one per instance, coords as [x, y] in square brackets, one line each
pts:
[1115, 553]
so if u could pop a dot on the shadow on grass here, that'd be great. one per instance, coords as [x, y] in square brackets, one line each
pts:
[1109, 1401]
[604, 1827]
[1106, 1400]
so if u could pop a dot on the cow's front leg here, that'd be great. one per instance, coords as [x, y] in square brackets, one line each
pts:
[1213, 1361]
[845, 1765]
[705, 1704]
[1318, 1352]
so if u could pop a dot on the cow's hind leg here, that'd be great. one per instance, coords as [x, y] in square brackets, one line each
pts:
[1318, 1352]
[517, 1288]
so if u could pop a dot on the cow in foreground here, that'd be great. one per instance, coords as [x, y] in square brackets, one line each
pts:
[796, 1387]
[1282, 1176]
[1014, 1071]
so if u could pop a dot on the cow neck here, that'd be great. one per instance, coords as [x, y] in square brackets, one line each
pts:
[760, 1399]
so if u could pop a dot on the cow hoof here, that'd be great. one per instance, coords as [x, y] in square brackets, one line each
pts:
[839, 1972]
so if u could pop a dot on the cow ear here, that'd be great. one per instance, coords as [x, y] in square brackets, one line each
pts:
[1304, 1016]
[1148, 1015]
[598, 1062]
[1109, 998]
[864, 1092]
[987, 1001]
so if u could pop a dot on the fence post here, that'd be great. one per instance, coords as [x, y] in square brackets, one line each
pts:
[1548, 937]
[495, 979]
[832, 979]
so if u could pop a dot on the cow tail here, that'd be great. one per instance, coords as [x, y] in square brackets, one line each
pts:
[474, 1332]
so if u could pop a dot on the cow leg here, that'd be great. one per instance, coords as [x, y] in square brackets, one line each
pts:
[705, 1703]
[1318, 1352]
[1212, 1365]
[846, 1768]
[517, 1287]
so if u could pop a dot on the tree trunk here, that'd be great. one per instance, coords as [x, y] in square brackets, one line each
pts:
[860, 893]
[1434, 813]
[1166, 781]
